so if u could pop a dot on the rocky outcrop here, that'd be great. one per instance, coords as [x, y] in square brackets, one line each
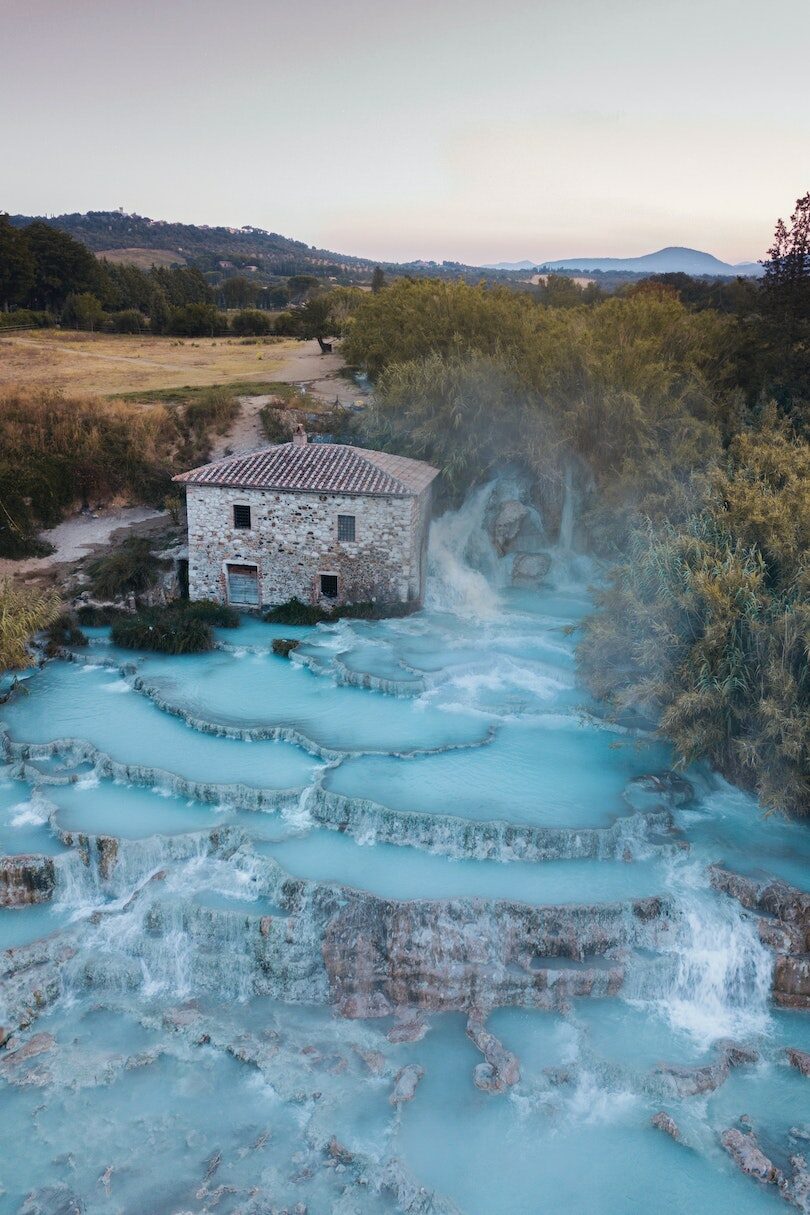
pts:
[500, 1069]
[685, 1081]
[657, 788]
[505, 524]
[791, 981]
[529, 569]
[52, 1200]
[471, 954]
[793, 1183]
[515, 528]
[408, 1027]
[26, 879]
[664, 1122]
[800, 1059]
[284, 646]
[784, 926]
[744, 1150]
[30, 980]
[405, 1084]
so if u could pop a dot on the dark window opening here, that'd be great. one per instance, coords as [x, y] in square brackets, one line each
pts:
[329, 586]
[241, 516]
[345, 527]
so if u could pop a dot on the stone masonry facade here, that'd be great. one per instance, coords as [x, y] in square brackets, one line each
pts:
[293, 540]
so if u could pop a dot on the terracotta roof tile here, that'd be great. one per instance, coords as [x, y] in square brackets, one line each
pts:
[317, 468]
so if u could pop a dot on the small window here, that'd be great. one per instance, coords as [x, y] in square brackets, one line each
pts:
[329, 587]
[345, 527]
[241, 516]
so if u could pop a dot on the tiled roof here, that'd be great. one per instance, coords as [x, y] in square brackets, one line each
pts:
[317, 468]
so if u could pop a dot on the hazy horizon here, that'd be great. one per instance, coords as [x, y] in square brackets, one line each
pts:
[547, 130]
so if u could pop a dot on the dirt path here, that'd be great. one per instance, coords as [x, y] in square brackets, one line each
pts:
[247, 433]
[318, 373]
[305, 368]
[78, 536]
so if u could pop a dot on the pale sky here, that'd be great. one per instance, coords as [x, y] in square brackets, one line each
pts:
[426, 128]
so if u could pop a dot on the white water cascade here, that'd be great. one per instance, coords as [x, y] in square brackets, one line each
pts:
[441, 938]
[461, 561]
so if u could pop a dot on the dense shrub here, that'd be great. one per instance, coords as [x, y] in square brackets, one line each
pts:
[287, 324]
[93, 616]
[284, 646]
[706, 625]
[27, 319]
[129, 569]
[218, 615]
[198, 320]
[130, 320]
[296, 612]
[251, 323]
[215, 409]
[179, 628]
[166, 630]
[64, 631]
[276, 426]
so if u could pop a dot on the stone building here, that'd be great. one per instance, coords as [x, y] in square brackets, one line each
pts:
[319, 522]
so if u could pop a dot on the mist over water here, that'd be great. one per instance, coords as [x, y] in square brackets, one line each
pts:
[264, 868]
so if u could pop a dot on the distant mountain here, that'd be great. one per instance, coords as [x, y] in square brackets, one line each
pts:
[665, 261]
[524, 265]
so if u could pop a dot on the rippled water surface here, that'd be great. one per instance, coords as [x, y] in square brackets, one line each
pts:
[240, 846]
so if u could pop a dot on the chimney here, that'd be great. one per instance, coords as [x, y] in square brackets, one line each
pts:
[299, 436]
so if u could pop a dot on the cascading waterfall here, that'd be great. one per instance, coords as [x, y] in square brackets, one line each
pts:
[722, 979]
[243, 944]
[454, 583]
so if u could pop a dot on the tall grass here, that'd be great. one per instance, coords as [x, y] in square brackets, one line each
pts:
[23, 612]
[57, 452]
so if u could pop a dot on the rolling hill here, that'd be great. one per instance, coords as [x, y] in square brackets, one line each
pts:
[131, 237]
[673, 259]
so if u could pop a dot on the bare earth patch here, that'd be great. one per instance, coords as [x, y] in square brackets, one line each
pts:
[77, 536]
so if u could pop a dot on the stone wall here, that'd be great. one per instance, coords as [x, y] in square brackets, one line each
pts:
[293, 540]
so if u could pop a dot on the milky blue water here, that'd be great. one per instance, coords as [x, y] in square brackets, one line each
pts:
[169, 1076]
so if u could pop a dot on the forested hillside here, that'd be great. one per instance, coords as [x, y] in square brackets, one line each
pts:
[206, 246]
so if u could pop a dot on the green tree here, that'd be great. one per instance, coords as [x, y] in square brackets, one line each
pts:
[62, 266]
[130, 320]
[16, 265]
[786, 286]
[238, 292]
[301, 286]
[83, 311]
[378, 279]
[315, 319]
[159, 312]
[250, 322]
[198, 320]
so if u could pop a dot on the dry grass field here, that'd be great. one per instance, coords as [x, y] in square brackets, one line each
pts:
[106, 364]
[143, 258]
